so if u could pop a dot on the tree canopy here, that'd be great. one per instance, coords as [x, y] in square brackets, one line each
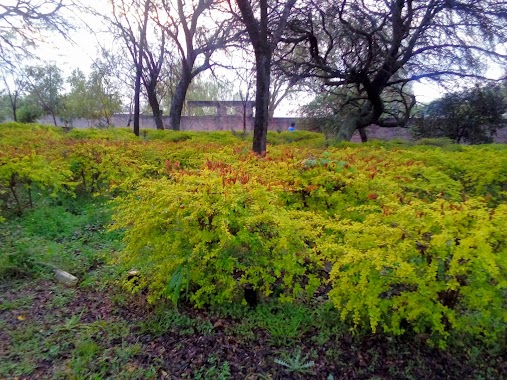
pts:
[22, 22]
[470, 116]
[379, 45]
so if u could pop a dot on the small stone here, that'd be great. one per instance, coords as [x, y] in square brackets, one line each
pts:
[66, 278]
[218, 324]
[328, 266]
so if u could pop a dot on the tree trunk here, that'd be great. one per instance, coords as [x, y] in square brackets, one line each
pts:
[155, 107]
[14, 104]
[244, 118]
[364, 136]
[137, 95]
[178, 100]
[14, 111]
[129, 121]
[263, 67]
[139, 68]
[349, 126]
[54, 118]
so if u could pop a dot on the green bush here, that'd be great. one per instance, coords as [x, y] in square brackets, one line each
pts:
[415, 234]
[210, 237]
[22, 174]
[28, 113]
[103, 134]
[471, 116]
[431, 268]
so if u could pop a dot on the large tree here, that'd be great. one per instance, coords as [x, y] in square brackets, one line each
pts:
[44, 85]
[14, 82]
[470, 116]
[264, 32]
[130, 18]
[373, 47]
[94, 98]
[197, 28]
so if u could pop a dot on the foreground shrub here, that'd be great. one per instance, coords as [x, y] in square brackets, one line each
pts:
[432, 268]
[210, 236]
[415, 235]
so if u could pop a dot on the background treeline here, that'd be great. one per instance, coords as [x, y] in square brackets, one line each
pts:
[352, 65]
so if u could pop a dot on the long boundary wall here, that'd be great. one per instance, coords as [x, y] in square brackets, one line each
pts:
[236, 123]
[188, 123]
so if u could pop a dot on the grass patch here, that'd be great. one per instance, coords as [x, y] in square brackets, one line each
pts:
[285, 323]
[168, 319]
[73, 238]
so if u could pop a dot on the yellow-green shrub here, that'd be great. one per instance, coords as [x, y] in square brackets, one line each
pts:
[431, 267]
[297, 138]
[481, 170]
[23, 172]
[416, 234]
[212, 233]
[107, 134]
[99, 165]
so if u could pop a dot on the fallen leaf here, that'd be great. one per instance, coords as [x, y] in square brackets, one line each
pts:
[21, 317]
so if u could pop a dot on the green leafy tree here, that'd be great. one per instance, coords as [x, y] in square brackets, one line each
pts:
[29, 110]
[77, 101]
[14, 83]
[106, 101]
[93, 98]
[471, 116]
[45, 84]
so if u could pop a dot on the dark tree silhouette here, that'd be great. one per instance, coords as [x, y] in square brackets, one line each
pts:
[471, 116]
[374, 46]
[151, 77]
[264, 34]
[198, 28]
[22, 21]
